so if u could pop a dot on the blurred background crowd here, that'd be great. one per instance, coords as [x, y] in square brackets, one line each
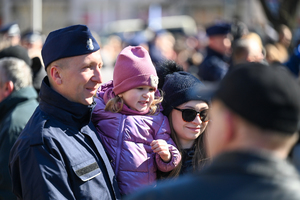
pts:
[260, 30]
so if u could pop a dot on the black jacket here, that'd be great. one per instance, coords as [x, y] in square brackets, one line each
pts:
[233, 176]
[214, 66]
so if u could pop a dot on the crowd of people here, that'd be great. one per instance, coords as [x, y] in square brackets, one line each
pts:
[178, 120]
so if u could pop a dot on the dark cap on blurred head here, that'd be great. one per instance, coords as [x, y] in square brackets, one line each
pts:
[267, 97]
[10, 29]
[67, 42]
[218, 29]
[16, 52]
[31, 36]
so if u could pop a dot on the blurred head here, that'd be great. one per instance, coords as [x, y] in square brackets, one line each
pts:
[220, 37]
[285, 35]
[72, 59]
[16, 51]
[11, 33]
[256, 49]
[33, 42]
[256, 107]
[14, 75]
[247, 50]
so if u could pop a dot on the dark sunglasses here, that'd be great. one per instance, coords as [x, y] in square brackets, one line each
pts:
[189, 115]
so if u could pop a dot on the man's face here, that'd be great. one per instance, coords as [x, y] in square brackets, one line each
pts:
[221, 43]
[81, 78]
[215, 137]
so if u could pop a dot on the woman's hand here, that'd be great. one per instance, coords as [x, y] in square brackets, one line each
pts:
[161, 148]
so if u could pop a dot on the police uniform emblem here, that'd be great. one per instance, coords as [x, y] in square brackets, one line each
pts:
[89, 44]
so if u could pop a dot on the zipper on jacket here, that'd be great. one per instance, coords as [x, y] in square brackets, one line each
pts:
[119, 143]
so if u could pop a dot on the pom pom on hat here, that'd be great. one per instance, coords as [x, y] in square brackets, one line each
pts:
[165, 68]
[133, 68]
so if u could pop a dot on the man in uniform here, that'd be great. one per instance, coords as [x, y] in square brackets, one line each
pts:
[59, 155]
[215, 65]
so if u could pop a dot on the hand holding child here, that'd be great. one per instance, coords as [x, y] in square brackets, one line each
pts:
[161, 148]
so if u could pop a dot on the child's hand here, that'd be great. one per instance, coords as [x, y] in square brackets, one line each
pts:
[161, 148]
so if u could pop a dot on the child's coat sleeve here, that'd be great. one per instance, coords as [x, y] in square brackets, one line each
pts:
[164, 134]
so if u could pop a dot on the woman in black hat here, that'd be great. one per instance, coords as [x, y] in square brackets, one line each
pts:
[187, 113]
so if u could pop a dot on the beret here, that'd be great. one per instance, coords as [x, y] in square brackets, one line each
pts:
[67, 42]
[218, 29]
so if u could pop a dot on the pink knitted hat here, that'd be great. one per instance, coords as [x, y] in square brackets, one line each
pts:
[133, 68]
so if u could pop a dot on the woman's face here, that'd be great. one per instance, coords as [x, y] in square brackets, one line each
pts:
[187, 132]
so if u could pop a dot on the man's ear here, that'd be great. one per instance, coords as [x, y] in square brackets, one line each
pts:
[231, 127]
[55, 73]
[8, 88]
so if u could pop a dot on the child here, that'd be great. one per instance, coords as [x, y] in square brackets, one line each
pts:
[132, 129]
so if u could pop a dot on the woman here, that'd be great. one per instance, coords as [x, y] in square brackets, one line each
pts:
[188, 116]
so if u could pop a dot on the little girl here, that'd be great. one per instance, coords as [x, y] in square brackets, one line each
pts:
[127, 116]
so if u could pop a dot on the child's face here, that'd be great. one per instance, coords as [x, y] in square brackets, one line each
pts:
[139, 98]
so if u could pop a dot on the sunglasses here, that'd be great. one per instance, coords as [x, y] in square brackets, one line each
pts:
[188, 115]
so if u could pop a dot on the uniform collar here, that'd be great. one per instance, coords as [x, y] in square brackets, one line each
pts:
[70, 113]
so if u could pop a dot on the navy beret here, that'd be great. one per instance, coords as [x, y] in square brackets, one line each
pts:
[67, 42]
[218, 29]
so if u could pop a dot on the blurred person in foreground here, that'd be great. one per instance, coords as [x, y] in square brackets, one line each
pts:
[58, 155]
[17, 103]
[215, 64]
[255, 116]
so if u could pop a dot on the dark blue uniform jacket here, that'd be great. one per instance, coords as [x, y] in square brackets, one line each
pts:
[214, 66]
[59, 155]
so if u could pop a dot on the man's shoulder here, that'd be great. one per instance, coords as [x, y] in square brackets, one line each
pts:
[213, 61]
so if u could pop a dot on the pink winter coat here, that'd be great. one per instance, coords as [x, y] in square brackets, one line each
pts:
[127, 139]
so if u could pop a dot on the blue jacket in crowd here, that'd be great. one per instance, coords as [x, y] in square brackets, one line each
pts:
[59, 156]
[214, 66]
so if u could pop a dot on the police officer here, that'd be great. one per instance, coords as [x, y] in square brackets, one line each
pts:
[215, 65]
[58, 154]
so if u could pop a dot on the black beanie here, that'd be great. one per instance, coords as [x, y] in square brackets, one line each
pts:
[179, 88]
[266, 96]
[16, 52]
